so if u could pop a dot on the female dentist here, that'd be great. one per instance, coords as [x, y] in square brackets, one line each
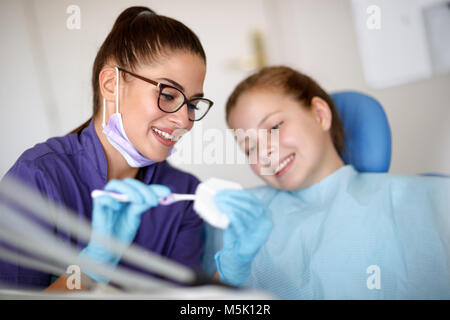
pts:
[148, 85]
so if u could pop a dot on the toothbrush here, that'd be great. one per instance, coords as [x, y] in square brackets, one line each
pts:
[171, 198]
[204, 204]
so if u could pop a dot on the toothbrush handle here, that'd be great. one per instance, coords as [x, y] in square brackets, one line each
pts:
[175, 197]
[118, 196]
[172, 198]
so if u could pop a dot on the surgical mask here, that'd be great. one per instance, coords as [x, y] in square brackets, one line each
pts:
[115, 133]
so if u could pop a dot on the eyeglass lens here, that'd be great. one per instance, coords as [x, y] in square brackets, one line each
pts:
[171, 99]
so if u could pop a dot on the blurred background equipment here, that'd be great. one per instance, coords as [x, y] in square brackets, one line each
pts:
[30, 228]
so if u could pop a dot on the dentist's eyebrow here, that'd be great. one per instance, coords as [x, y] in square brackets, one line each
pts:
[266, 117]
[179, 86]
[172, 82]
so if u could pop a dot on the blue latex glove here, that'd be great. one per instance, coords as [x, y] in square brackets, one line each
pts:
[250, 227]
[111, 218]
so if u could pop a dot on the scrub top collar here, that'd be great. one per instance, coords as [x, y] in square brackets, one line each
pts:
[94, 149]
[326, 188]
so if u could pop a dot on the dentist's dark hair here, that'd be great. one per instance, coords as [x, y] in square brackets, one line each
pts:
[140, 36]
[295, 84]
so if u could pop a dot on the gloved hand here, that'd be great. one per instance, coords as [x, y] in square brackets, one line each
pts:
[249, 228]
[120, 220]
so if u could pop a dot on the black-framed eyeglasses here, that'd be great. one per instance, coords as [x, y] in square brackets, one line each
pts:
[171, 99]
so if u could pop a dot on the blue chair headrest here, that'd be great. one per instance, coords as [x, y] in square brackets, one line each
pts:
[367, 132]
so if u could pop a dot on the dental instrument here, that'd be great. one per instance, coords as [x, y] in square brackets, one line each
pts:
[203, 200]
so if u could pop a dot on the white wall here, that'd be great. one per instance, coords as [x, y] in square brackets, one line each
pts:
[46, 69]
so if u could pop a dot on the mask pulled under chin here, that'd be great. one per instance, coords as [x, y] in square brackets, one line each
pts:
[116, 135]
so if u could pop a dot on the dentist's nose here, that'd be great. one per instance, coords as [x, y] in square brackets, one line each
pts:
[181, 118]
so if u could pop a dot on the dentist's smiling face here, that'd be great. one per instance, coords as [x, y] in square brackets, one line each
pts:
[147, 127]
[304, 139]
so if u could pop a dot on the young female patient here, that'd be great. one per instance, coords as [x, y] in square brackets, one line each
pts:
[326, 231]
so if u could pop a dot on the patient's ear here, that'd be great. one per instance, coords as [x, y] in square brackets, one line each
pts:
[321, 112]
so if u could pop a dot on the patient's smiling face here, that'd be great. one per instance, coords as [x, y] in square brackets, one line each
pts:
[305, 146]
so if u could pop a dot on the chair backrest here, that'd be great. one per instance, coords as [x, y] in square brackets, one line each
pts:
[367, 132]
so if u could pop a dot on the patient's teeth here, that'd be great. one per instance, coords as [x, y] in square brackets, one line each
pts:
[284, 163]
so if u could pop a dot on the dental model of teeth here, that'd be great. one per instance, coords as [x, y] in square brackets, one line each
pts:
[284, 163]
[166, 135]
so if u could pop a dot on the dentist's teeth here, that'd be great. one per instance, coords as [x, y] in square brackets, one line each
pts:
[284, 163]
[165, 135]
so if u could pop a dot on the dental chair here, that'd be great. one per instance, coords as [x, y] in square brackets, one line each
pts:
[367, 148]
[367, 132]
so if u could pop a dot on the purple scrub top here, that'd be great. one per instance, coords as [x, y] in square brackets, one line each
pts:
[66, 170]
